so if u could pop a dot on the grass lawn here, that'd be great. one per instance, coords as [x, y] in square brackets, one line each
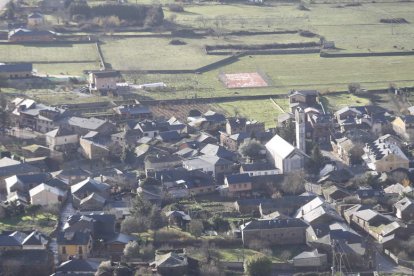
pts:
[53, 97]
[287, 72]
[48, 52]
[259, 110]
[336, 102]
[42, 222]
[155, 53]
[65, 68]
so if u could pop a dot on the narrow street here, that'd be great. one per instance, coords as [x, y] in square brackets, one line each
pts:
[66, 212]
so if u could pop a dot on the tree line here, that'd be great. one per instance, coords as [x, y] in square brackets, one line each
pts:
[139, 14]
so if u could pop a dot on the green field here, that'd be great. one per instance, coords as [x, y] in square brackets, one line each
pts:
[42, 222]
[154, 53]
[354, 29]
[287, 72]
[65, 68]
[48, 52]
[259, 110]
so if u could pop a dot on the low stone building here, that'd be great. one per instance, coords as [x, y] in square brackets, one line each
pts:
[275, 231]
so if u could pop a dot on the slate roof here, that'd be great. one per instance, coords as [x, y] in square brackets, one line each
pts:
[238, 178]
[60, 131]
[404, 203]
[240, 136]
[73, 238]
[89, 185]
[86, 123]
[169, 136]
[44, 187]
[308, 254]
[76, 265]
[215, 150]
[205, 160]
[35, 15]
[274, 223]
[162, 158]
[120, 238]
[180, 214]
[408, 119]
[6, 240]
[26, 32]
[11, 167]
[106, 74]
[16, 67]
[19, 236]
[171, 259]
[35, 238]
[258, 166]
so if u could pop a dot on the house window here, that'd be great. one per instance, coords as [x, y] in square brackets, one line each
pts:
[63, 249]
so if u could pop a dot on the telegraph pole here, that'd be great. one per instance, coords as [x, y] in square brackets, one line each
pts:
[333, 257]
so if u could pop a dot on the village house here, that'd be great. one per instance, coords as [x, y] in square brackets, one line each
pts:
[25, 182]
[237, 185]
[27, 262]
[236, 125]
[258, 168]
[174, 263]
[77, 267]
[384, 156]
[44, 195]
[216, 166]
[82, 126]
[398, 189]
[10, 167]
[35, 19]
[347, 243]
[95, 146]
[103, 81]
[310, 259]
[160, 162]
[404, 209]
[25, 35]
[404, 127]
[62, 139]
[303, 99]
[284, 156]
[178, 218]
[232, 142]
[74, 245]
[195, 182]
[71, 176]
[218, 151]
[16, 70]
[318, 127]
[275, 231]
[87, 188]
[36, 116]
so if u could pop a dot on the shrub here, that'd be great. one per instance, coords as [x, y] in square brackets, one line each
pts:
[258, 266]
[175, 8]
[134, 225]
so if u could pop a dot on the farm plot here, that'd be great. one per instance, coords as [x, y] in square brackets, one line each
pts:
[243, 80]
[65, 68]
[155, 54]
[48, 52]
[259, 110]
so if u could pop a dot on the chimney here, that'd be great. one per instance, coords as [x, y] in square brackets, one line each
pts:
[101, 178]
